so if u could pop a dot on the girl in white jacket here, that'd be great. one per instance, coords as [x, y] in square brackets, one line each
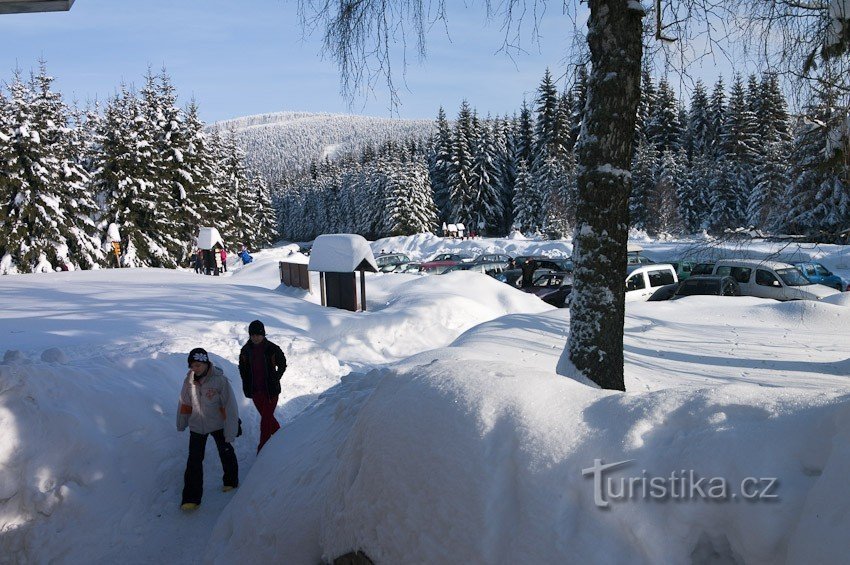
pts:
[208, 407]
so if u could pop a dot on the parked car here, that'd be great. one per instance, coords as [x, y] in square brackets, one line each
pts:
[493, 258]
[702, 269]
[545, 262]
[819, 274]
[643, 280]
[484, 268]
[708, 285]
[442, 261]
[683, 268]
[635, 259]
[771, 279]
[408, 268]
[552, 288]
[665, 292]
[389, 262]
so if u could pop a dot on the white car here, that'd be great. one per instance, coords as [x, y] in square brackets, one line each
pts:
[771, 279]
[643, 280]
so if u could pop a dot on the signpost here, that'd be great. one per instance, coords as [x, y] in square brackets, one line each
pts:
[116, 247]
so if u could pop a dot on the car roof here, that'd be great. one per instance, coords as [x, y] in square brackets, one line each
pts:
[708, 278]
[763, 263]
[651, 267]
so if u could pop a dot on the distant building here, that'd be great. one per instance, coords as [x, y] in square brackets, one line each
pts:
[28, 6]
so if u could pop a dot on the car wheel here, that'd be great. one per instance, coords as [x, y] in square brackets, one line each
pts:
[838, 288]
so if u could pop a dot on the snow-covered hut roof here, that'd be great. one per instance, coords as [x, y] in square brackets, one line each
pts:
[208, 237]
[341, 253]
[633, 248]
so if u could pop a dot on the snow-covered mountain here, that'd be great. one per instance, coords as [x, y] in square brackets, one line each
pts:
[284, 142]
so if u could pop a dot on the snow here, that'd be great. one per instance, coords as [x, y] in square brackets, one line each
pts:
[430, 428]
[208, 237]
[341, 253]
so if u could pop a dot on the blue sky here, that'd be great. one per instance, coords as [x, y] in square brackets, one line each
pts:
[249, 57]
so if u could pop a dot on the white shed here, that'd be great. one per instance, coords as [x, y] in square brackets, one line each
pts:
[342, 253]
[337, 257]
[208, 238]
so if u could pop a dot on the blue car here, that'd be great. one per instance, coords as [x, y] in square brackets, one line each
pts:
[819, 274]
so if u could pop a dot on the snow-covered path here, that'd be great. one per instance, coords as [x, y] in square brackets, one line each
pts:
[93, 365]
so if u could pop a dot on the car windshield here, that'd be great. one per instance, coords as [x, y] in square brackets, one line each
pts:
[820, 270]
[792, 277]
[692, 287]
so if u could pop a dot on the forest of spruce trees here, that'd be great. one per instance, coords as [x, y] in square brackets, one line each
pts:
[139, 163]
[735, 158]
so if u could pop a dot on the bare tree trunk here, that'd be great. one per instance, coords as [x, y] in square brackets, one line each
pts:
[597, 308]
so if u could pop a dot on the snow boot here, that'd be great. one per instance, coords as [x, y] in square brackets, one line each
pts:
[227, 488]
[189, 506]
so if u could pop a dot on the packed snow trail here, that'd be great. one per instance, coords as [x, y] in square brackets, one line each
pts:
[93, 363]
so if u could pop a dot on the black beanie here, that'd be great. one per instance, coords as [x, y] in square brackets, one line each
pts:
[256, 328]
[199, 354]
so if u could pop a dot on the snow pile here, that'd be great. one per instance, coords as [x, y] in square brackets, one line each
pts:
[477, 452]
[90, 462]
[431, 428]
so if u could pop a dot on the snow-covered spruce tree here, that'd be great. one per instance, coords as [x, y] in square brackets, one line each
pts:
[171, 231]
[559, 219]
[819, 196]
[564, 122]
[646, 106]
[524, 136]
[664, 129]
[198, 174]
[546, 134]
[48, 214]
[441, 164]
[664, 199]
[738, 139]
[579, 96]
[716, 115]
[526, 203]
[127, 179]
[234, 194]
[644, 178]
[177, 143]
[485, 182]
[771, 181]
[461, 192]
[265, 216]
[409, 201]
[506, 165]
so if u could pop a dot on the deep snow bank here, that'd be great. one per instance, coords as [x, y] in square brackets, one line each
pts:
[475, 453]
[90, 462]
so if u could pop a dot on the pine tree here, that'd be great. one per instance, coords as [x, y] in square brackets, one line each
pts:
[579, 96]
[409, 200]
[699, 125]
[48, 214]
[770, 184]
[546, 134]
[485, 183]
[664, 129]
[441, 165]
[125, 178]
[643, 184]
[527, 203]
[461, 191]
[265, 216]
[646, 106]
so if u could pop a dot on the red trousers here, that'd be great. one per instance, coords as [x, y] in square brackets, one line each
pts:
[268, 423]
